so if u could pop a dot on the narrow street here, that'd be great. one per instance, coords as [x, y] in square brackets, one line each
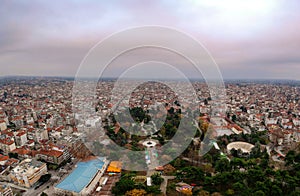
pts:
[164, 184]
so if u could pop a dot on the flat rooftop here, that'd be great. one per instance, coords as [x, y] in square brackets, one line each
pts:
[82, 175]
[28, 167]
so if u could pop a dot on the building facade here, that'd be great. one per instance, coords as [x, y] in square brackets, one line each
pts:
[28, 172]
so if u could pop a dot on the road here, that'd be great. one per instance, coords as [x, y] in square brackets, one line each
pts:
[154, 162]
[33, 191]
[164, 184]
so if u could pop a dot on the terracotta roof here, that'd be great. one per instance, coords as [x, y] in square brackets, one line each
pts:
[30, 141]
[21, 133]
[7, 141]
[53, 153]
[17, 118]
[3, 158]
[21, 151]
[30, 129]
[11, 161]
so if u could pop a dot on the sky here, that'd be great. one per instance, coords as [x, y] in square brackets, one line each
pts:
[248, 39]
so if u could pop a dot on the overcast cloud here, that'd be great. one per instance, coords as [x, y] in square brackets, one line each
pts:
[252, 39]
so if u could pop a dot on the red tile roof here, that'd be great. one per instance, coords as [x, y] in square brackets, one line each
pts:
[7, 141]
[22, 151]
[11, 161]
[52, 153]
[21, 133]
[3, 158]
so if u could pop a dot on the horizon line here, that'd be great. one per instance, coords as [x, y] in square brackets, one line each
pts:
[133, 78]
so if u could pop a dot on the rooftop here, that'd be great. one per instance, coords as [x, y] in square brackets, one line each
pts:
[27, 167]
[82, 175]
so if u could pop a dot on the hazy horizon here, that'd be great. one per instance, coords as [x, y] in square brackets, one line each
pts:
[145, 78]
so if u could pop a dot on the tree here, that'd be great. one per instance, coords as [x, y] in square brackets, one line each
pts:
[244, 109]
[297, 158]
[255, 151]
[190, 173]
[156, 179]
[222, 178]
[295, 193]
[275, 190]
[203, 193]
[264, 163]
[136, 192]
[229, 192]
[13, 155]
[155, 190]
[234, 118]
[138, 114]
[216, 194]
[237, 163]
[290, 157]
[255, 175]
[222, 165]
[261, 186]
[45, 178]
[208, 168]
[177, 163]
[123, 186]
[207, 157]
[259, 193]
[234, 152]
[205, 102]
[238, 187]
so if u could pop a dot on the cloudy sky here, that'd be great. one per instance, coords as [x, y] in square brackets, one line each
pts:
[247, 38]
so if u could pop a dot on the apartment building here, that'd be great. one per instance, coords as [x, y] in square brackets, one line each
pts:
[28, 172]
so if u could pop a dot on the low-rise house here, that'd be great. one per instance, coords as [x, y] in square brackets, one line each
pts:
[296, 121]
[20, 138]
[7, 145]
[23, 153]
[3, 125]
[269, 121]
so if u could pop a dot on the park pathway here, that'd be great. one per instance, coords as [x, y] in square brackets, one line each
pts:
[164, 184]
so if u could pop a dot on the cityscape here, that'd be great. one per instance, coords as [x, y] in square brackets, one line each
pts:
[43, 149]
[149, 98]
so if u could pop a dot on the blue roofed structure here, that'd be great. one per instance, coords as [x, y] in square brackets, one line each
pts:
[82, 176]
